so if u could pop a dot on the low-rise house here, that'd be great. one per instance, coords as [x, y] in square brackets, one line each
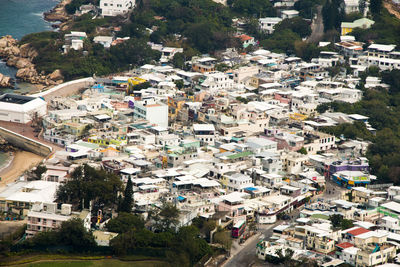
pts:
[364, 23]
[268, 24]
[288, 14]
[46, 217]
[116, 7]
[105, 41]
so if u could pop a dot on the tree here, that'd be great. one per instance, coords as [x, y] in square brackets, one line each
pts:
[169, 217]
[302, 151]
[179, 84]
[73, 233]
[223, 238]
[178, 60]
[127, 202]
[88, 184]
[336, 220]
[296, 24]
[346, 224]
[376, 6]
[39, 170]
[125, 222]
[333, 14]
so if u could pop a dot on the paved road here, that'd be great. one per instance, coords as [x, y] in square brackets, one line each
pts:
[317, 27]
[332, 191]
[247, 255]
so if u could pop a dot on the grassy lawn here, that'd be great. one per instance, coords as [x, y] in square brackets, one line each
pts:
[97, 263]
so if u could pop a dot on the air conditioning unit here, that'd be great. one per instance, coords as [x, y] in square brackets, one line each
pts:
[66, 209]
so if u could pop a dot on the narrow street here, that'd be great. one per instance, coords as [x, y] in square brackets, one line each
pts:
[317, 27]
[245, 254]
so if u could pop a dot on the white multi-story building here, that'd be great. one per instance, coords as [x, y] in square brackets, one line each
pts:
[268, 24]
[216, 81]
[204, 133]
[45, 217]
[115, 7]
[238, 182]
[152, 111]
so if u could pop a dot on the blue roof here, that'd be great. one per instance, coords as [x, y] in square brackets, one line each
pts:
[250, 189]
[180, 198]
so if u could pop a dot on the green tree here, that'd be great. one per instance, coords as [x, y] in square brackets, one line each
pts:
[302, 151]
[125, 222]
[376, 6]
[73, 233]
[169, 216]
[39, 170]
[223, 238]
[127, 202]
[346, 224]
[179, 84]
[296, 24]
[333, 14]
[88, 184]
[178, 60]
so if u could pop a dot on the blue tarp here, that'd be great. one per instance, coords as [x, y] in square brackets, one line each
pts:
[180, 198]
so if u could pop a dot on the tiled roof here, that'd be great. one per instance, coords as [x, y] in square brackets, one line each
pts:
[358, 231]
[345, 245]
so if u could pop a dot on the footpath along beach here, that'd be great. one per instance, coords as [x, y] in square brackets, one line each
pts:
[20, 162]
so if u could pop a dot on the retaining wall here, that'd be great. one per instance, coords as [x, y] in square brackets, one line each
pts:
[25, 143]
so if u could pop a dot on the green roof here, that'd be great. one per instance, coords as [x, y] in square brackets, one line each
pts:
[87, 144]
[240, 155]
[320, 216]
[359, 23]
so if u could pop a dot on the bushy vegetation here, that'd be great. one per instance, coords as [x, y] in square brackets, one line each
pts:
[71, 236]
[97, 60]
[184, 247]
[307, 8]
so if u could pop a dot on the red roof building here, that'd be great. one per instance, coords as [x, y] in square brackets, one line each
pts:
[345, 245]
[358, 231]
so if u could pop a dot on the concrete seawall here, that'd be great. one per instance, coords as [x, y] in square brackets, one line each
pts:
[25, 143]
[65, 89]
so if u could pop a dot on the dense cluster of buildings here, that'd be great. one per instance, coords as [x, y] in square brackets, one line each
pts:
[371, 239]
[243, 145]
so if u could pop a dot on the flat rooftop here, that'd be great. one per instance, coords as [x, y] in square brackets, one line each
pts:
[15, 99]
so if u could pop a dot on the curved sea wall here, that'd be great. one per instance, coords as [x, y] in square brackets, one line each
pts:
[66, 89]
[25, 143]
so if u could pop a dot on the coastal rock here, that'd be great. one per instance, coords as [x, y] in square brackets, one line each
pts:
[23, 63]
[27, 74]
[27, 51]
[5, 81]
[56, 76]
[58, 13]
[7, 41]
[19, 63]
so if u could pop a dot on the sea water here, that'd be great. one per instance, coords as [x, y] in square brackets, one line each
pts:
[18, 18]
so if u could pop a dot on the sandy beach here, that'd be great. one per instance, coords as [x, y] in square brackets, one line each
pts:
[21, 162]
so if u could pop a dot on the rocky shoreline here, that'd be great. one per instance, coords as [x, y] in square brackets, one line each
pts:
[59, 15]
[21, 57]
[5, 146]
